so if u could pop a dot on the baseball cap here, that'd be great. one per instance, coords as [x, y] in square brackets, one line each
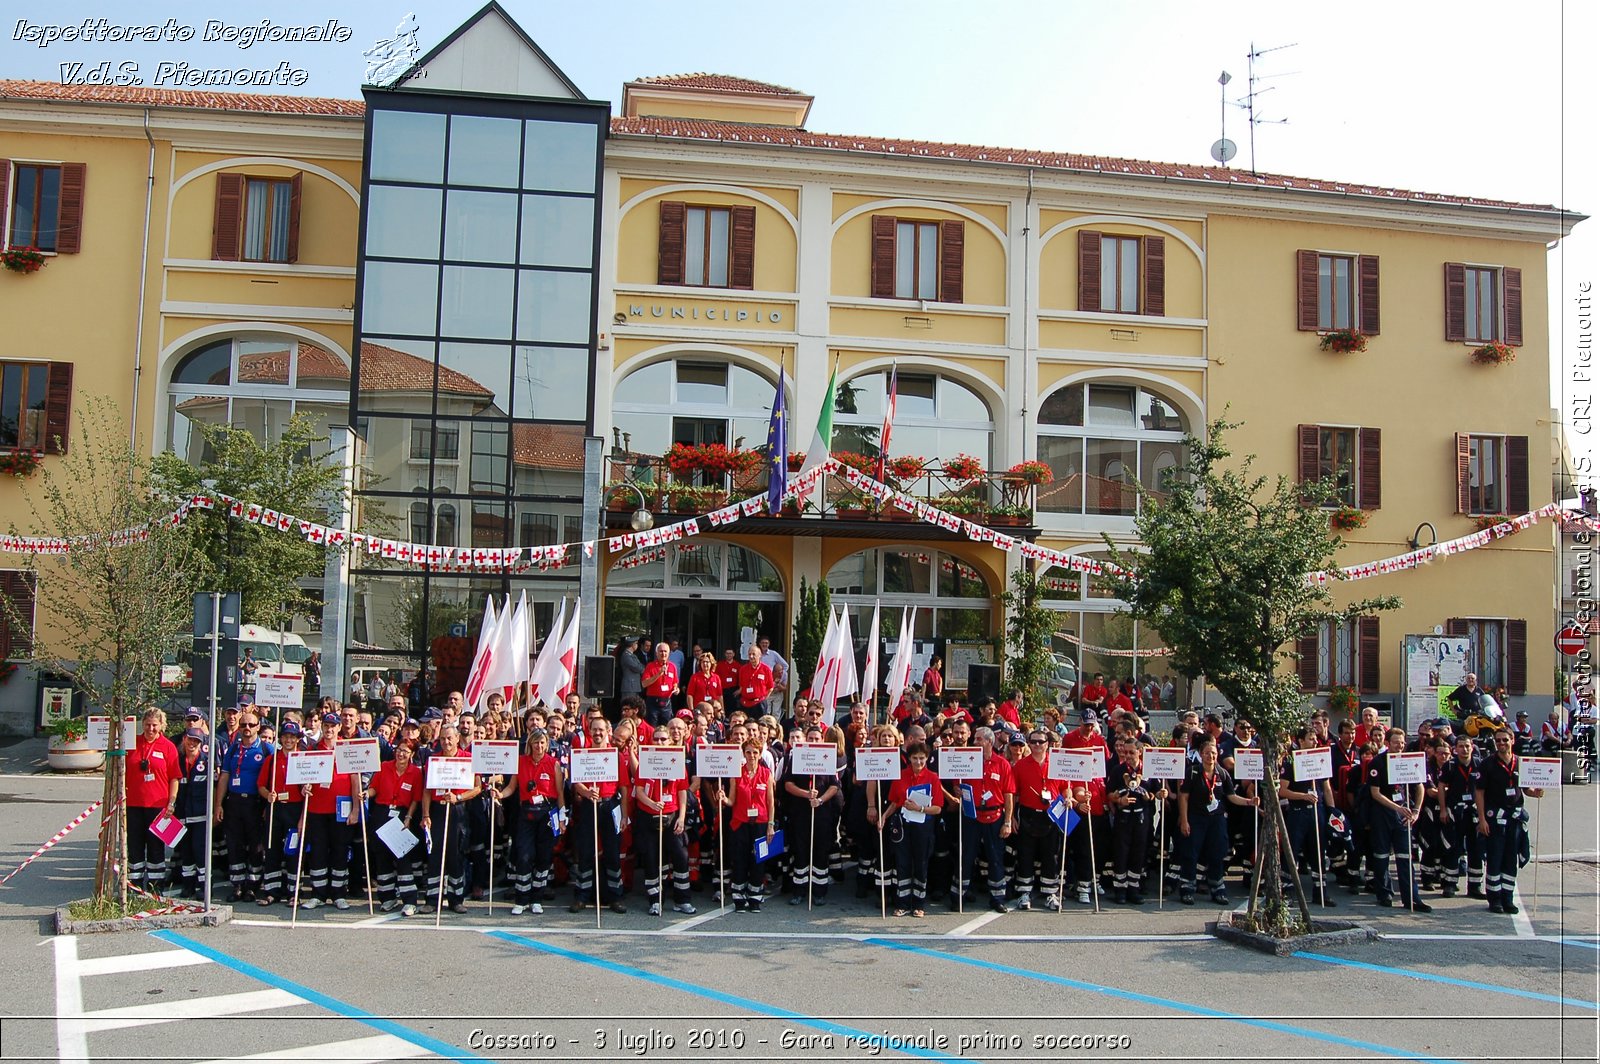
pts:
[195, 734]
[1017, 740]
[289, 728]
[1089, 716]
[686, 714]
[1521, 713]
[433, 713]
[330, 718]
[194, 714]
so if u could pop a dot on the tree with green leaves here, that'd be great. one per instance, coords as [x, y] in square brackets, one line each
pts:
[113, 603]
[293, 474]
[1223, 578]
[811, 624]
[1030, 624]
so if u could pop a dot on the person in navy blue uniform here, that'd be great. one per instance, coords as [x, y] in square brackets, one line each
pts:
[1465, 856]
[1203, 823]
[1132, 799]
[193, 807]
[1300, 800]
[1392, 810]
[238, 807]
[1502, 820]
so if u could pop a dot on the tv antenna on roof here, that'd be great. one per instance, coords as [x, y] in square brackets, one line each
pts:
[1224, 149]
[1249, 100]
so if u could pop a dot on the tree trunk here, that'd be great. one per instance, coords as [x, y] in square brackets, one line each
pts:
[1282, 827]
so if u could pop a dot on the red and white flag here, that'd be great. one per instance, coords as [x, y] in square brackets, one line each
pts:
[888, 419]
[483, 658]
[869, 669]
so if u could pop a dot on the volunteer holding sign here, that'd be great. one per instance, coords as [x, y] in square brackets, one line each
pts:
[811, 806]
[1038, 837]
[1303, 777]
[1203, 823]
[661, 796]
[541, 789]
[1394, 806]
[447, 787]
[598, 817]
[983, 833]
[286, 806]
[331, 808]
[1502, 819]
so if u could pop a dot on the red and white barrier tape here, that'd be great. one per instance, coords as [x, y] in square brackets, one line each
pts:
[57, 837]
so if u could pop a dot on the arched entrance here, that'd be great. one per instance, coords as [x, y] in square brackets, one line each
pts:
[702, 590]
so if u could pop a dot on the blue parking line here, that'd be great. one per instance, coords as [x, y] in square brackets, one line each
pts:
[864, 1039]
[1580, 942]
[1429, 977]
[321, 1000]
[1165, 1003]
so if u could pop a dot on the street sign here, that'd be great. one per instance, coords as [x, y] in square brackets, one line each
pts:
[1571, 640]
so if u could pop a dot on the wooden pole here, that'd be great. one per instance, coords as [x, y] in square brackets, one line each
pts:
[883, 878]
[1094, 864]
[722, 875]
[811, 845]
[366, 850]
[299, 858]
[661, 846]
[1061, 873]
[494, 800]
[1161, 862]
[1316, 807]
[596, 801]
[444, 859]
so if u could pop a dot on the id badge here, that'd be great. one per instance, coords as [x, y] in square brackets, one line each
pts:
[1213, 805]
[752, 813]
[238, 781]
[1511, 792]
[149, 777]
[749, 690]
[1048, 795]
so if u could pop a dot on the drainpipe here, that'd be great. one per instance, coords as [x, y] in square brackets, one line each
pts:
[144, 271]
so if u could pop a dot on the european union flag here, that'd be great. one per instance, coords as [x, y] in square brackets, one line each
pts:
[1065, 817]
[777, 450]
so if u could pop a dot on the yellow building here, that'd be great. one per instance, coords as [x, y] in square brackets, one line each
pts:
[1081, 311]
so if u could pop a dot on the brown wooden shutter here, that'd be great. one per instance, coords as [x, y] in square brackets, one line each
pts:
[1511, 278]
[293, 254]
[1516, 474]
[883, 256]
[1367, 293]
[58, 408]
[1088, 270]
[952, 260]
[1155, 275]
[1455, 301]
[1516, 657]
[1367, 654]
[1306, 647]
[16, 585]
[69, 225]
[669, 246]
[1463, 462]
[1310, 456]
[5, 203]
[1456, 627]
[1369, 469]
[1305, 290]
[742, 247]
[225, 226]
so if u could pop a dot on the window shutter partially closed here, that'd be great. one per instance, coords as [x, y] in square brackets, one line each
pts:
[1456, 627]
[58, 408]
[16, 585]
[1367, 654]
[1455, 302]
[69, 227]
[293, 252]
[1369, 471]
[1516, 657]
[5, 203]
[669, 244]
[1517, 474]
[1306, 647]
[742, 247]
[1511, 278]
[1088, 270]
[1305, 290]
[1367, 293]
[226, 224]
[1309, 456]
[882, 256]
[1155, 275]
[1463, 463]
[952, 260]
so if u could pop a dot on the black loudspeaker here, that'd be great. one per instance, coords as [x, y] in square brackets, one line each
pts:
[600, 676]
[983, 681]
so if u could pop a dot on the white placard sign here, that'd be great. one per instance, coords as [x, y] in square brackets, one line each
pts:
[594, 766]
[1313, 764]
[309, 766]
[356, 755]
[1540, 771]
[961, 763]
[449, 774]
[877, 763]
[661, 763]
[1408, 767]
[494, 757]
[814, 759]
[1248, 764]
[717, 761]
[279, 690]
[1166, 763]
[1078, 765]
[99, 733]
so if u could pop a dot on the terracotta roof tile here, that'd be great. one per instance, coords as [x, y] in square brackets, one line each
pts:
[778, 136]
[547, 446]
[383, 369]
[202, 98]
[716, 83]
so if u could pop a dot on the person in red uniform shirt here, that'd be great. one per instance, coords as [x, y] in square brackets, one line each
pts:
[541, 786]
[918, 793]
[755, 683]
[596, 808]
[1094, 694]
[1086, 734]
[933, 679]
[1010, 710]
[447, 874]
[705, 685]
[993, 799]
[659, 836]
[1038, 839]
[153, 774]
[1089, 802]
[660, 681]
[751, 799]
[728, 670]
[327, 832]
[396, 791]
[283, 817]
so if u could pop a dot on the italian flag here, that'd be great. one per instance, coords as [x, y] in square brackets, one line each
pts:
[822, 441]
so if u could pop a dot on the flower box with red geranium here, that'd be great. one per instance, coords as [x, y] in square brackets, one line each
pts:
[1031, 472]
[859, 462]
[1484, 522]
[22, 260]
[1344, 701]
[1347, 519]
[906, 467]
[1494, 353]
[963, 467]
[797, 461]
[20, 463]
[1344, 341]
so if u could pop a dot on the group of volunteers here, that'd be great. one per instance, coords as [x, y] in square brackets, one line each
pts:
[868, 803]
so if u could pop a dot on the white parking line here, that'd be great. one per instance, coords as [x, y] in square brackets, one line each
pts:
[72, 1041]
[373, 1050]
[1520, 919]
[172, 1012]
[696, 921]
[139, 962]
[972, 925]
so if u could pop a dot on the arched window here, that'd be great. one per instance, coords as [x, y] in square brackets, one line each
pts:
[1101, 438]
[691, 400]
[934, 417]
[1095, 630]
[256, 384]
[952, 596]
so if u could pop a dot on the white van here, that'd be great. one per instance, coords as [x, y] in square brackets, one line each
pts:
[263, 645]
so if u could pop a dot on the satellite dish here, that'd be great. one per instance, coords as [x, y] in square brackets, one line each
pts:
[1224, 150]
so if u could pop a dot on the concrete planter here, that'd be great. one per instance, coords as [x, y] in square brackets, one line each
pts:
[1323, 934]
[66, 925]
[75, 756]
